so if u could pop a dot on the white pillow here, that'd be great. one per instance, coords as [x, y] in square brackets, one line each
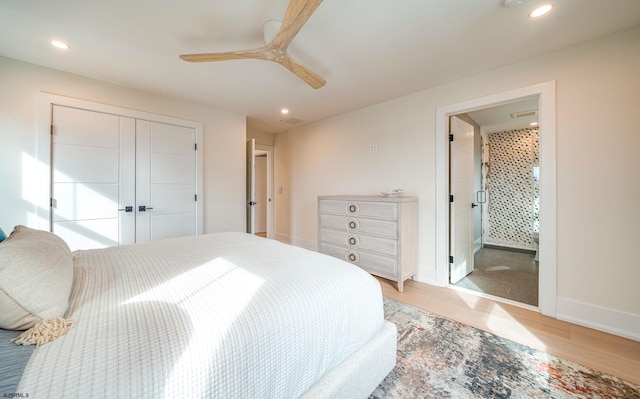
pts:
[36, 274]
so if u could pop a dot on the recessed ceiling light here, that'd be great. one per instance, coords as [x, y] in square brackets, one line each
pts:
[59, 44]
[540, 11]
[284, 111]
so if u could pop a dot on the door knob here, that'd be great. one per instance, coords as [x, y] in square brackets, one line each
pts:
[473, 205]
[126, 209]
[143, 208]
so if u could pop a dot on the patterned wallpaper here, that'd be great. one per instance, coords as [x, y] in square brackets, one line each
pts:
[513, 189]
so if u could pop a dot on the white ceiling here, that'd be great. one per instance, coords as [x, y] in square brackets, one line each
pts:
[369, 51]
[499, 118]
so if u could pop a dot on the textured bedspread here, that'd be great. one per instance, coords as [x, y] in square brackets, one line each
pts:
[224, 315]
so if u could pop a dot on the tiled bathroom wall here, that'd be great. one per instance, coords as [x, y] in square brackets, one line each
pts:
[513, 190]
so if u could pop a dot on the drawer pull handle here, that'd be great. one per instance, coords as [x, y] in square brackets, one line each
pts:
[352, 208]
[352, 224]
[353, 241]
[352, 257]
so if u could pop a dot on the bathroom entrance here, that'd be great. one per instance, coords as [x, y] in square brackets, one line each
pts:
[505, 200]
[544, 96]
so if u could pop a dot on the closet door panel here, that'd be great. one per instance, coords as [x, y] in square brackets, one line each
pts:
[127, 187]
[169, 226]
[86, 181]
[166, 180]
[82, 201]
[90, 233]
[172, 169]
[80, 164]
[86, 128]
[120, 180]
[143, 181]
[171, 139]
[172, 198]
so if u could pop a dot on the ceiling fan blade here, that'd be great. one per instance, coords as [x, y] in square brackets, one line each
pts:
[260, 54]
[297, 14]
[311, 78]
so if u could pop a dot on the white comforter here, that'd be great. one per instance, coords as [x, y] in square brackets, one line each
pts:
[224, 315]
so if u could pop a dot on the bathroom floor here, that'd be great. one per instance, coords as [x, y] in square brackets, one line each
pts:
[505, 273]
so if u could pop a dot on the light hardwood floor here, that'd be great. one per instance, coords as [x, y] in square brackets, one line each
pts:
[608, 353]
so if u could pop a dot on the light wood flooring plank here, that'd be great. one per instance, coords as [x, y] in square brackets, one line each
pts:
[607, 353]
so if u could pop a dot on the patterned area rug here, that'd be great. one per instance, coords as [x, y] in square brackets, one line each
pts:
[441, 358]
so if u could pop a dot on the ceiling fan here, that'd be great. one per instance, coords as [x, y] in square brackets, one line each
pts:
[278, 36]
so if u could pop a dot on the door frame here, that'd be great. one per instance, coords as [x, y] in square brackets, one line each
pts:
[42, 182]
[547, 287]
[270, 200]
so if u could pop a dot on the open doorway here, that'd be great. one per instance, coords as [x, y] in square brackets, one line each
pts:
[262, 196]
[545, 93]
[259, 189]
[504, 213]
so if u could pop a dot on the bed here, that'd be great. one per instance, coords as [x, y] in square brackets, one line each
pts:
[225, 315]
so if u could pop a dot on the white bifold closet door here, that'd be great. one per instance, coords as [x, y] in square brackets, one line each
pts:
[118, 180]
[165, 181]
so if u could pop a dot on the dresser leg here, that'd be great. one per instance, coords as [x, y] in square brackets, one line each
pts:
[400, 285]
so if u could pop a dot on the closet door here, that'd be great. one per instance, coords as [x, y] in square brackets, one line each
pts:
[165, 181]
[93, 177]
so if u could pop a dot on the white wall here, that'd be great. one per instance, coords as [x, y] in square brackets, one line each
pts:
[223, 136]
[262, 138]
[598, 166]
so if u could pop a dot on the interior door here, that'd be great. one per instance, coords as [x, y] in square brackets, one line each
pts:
[261, 192]
[251, 186]
[92, 164]
[165, 181]
[461, 208]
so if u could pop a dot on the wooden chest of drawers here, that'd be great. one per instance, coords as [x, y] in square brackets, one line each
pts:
[379, 234]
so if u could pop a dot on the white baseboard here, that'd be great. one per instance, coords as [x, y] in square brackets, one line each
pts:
[509, 245]
[281, 237]
[608, 320]
[428, 280]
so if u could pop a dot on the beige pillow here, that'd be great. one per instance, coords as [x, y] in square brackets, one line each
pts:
[36, 274]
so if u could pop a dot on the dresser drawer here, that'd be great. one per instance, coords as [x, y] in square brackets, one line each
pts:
[379, 210]
[373, 263]
[379, 234]
[362, 242]
[381, 228]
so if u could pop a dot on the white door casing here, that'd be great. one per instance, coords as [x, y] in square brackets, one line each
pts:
[545, 92]
[462, 189]
[110, 162]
